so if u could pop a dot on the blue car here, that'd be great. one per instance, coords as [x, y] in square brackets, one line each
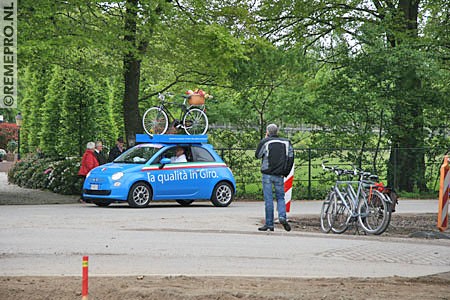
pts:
[147, 172]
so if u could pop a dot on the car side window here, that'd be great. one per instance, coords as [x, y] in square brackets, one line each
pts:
[172, 154]
[201, 154]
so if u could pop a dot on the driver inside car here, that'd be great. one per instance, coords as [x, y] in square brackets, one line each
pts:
[179, 156]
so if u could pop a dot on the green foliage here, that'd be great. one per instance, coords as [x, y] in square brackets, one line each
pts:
[11, 146]
[361, 76]
[58, 176]
[51, 113]
[104, 123]
[235, 152]
[33, 89]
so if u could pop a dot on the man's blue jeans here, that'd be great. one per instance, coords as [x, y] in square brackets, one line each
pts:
[278, 183]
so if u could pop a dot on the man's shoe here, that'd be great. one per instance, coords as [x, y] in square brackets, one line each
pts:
[265, 228]
[285, 224]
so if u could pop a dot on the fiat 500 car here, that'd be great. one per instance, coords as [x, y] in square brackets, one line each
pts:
[147, 173]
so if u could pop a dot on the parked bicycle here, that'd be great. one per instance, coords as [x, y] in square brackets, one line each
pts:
[192, 119]
[345, 206]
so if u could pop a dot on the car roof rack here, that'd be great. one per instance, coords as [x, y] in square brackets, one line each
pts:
[172, 138]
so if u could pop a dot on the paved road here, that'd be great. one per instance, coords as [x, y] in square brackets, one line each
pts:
[201, 240]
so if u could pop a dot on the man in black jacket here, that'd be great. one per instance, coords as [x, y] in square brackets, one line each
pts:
[98, 151]
[116, 150]
[277, 156]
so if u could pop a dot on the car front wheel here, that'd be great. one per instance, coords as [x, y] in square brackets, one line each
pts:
[222, 195]
[140, 195]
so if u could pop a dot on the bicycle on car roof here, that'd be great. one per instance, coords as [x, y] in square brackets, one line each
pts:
[192, 118]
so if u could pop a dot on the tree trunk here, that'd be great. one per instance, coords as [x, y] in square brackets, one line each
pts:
[131, 74]
[406, 169]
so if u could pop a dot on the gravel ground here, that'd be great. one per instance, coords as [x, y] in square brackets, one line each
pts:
[402, 225]
[13, 194]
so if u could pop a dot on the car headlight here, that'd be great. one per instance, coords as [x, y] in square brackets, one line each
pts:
[117, 176]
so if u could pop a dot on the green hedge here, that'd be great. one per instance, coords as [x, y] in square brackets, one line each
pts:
[58, 176]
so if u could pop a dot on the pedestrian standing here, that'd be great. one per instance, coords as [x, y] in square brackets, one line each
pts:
[88, 162]
[99, 153]
[116, 150]
[277, 156]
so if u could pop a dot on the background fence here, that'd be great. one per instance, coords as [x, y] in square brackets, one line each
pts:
[311, 182]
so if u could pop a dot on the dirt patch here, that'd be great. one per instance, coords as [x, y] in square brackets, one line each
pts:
[401, 225]
[207, 288]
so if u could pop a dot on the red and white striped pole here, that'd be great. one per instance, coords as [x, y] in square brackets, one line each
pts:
[443, 196]
[288, 181]
[84, 284]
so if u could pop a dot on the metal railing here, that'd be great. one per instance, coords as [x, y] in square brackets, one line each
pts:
[310, 182]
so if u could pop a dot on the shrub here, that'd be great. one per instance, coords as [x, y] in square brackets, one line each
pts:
[58, 176]
[12, 146]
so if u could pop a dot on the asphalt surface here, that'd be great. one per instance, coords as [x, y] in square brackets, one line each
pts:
[167, 239]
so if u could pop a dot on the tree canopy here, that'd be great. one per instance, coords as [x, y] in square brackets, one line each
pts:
[366, 74]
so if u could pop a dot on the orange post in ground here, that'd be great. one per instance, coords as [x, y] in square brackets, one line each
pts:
[443, 196]
[84, 286]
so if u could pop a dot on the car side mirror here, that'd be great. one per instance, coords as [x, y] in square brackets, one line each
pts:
[164, 162]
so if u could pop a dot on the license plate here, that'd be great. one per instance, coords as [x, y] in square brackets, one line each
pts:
[94, 186]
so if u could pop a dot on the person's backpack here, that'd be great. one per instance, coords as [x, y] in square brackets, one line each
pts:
[280, 156]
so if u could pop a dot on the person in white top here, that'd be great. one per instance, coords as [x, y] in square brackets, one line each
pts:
[180, 156]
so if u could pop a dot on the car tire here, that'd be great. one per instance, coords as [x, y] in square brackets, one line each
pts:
[101, 203]
[185, 202]
[222, 195]
[140, 195]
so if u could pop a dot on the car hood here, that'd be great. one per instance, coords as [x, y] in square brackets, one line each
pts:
[112, 168]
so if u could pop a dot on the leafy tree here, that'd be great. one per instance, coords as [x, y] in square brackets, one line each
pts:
[33, 93]
[265, 81]
[50, 111]
[78, 115]
[104, 128]
[341, 33]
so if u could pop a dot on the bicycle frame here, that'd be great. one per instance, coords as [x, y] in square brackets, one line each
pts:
[164, 106]
[346, 193]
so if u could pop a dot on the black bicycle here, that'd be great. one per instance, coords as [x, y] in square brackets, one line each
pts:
[192, 120]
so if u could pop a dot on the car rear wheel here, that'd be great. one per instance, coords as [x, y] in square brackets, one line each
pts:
[222, 195]
[140, 195]
[185, 202]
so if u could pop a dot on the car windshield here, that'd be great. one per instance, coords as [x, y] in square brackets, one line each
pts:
[139, 154]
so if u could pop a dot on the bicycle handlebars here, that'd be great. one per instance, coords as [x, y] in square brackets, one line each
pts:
[354, 172]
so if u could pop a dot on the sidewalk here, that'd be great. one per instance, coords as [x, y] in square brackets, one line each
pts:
[5, 166]
[13, 194]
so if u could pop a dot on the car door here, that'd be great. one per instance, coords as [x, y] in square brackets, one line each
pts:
[205, 170]
[175, 180]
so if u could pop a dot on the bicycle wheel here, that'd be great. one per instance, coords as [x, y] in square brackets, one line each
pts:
[155, 121]
[195, 121]
[389, 213]
[324, 212]
[340, 214]
[373, 213]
